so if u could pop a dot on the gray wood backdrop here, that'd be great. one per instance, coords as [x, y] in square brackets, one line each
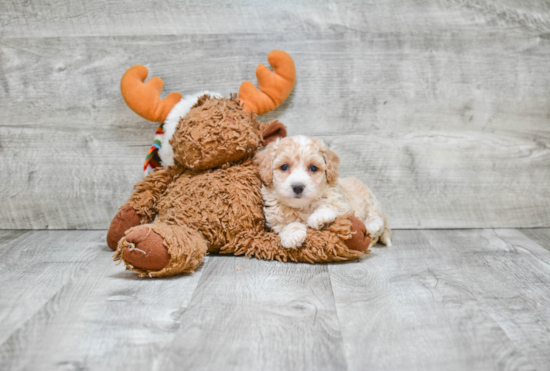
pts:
[441, 107]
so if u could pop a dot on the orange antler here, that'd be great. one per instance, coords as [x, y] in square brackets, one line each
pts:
[274, 86]
[144, 98]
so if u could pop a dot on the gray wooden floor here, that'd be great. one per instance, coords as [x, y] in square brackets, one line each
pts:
[436, 300]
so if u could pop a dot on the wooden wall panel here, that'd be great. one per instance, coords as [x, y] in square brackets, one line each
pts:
[53, 18]
[440, 107]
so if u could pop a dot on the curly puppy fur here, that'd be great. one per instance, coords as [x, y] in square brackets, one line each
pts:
[301, 188]
[210, 199]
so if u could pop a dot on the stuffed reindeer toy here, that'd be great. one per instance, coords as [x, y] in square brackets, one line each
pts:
[201, 192]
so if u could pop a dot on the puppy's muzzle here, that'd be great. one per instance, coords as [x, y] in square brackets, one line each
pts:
[298, 188]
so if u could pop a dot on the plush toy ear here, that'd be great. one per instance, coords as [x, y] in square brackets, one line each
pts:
[264, 160]
[274, 130]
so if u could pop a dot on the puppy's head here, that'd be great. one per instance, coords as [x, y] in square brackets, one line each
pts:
[297, 169]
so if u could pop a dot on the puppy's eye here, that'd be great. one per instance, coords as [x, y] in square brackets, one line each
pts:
[313, 169]
[284, 167]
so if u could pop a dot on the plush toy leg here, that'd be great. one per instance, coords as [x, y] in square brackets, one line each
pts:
[327, 245]
[125, 219]
[159, 249]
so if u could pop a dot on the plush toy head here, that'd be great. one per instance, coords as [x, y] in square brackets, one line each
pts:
[214, 132]
[204, 130]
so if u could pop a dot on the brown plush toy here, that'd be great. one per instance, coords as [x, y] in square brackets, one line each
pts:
[206, 196]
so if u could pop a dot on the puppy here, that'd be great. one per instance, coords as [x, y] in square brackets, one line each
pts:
[301, 188]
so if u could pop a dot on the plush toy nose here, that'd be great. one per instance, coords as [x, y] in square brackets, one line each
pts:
[298, 188]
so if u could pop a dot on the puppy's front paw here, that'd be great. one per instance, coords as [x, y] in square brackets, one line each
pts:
[293, 235]
[320, 218]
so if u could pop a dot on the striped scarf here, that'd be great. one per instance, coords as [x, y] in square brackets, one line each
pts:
[152, 161]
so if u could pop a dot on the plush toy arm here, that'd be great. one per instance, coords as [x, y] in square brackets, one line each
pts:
[327, 245]
[146, 194]
[140, 208]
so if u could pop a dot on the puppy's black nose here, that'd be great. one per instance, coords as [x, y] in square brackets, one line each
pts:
[298, 188]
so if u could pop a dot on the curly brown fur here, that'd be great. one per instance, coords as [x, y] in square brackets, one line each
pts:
[215, 132]
[147, 193]
[218, 203]
[320, 246]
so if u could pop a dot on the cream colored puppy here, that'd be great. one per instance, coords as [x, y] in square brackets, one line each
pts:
[301, 187]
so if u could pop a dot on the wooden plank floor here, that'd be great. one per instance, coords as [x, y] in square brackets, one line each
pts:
[436, 300]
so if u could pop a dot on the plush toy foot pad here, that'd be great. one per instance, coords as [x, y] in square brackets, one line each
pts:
[145, 250]
[360, 239]
[125, 219]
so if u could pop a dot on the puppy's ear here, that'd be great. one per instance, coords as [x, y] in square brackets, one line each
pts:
[332, 161]
[264, 160]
